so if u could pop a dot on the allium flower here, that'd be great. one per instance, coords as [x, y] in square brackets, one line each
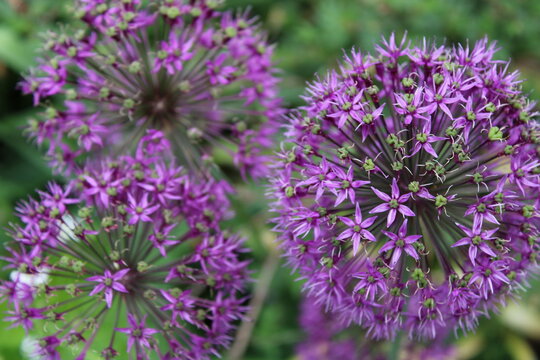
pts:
[203, 77]
[327, 339]
[322, 335]
[148, 260]
[439, 145]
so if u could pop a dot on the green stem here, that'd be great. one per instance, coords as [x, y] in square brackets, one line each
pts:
[396, 346]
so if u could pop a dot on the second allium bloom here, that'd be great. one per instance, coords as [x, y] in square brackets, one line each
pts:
[410, 195]
[201, 76]
[139, 265]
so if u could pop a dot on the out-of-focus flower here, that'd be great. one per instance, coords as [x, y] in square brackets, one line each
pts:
[146, 254]
[440, 145]
[203, 77]
[327, 339]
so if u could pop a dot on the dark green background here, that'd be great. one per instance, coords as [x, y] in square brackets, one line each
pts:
[309, 35]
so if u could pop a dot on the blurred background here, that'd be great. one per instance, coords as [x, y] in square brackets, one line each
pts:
[310, 36]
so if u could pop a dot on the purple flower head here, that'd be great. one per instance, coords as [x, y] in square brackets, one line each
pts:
[108, 283]
[393, 204]
[138, 333]
[477, 240]
[399, 243]
[203, 77]
[439, 143]
[166, 276]
[357, 229]
[325, 338]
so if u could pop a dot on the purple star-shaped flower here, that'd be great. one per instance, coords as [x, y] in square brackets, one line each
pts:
[356, 230]
[481, 211]
[347, 108]
[173, 53]
[476, 240]
[138, 332]
[424, 139]
[48, 348]
[471, 116]
[347, 185]
[24, 316]
[413, 110]
[103, 187]
[218, 74]
[390, 49]
[140, 210]
[161, 238]
[400, 242]
[109, 283]
[393, 204]
[89, 131]
[440, 97]
[320, 178]
[523, 172]
[181, 305]
[368, 122]
[488, 276]
[372, 281]
[57, 197]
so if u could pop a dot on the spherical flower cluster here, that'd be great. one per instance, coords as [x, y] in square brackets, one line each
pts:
[139, 265]
[326, 339]
[203, 77]
[409, 196]
[322, 340]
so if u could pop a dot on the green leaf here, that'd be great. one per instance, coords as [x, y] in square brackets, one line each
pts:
[16, 52]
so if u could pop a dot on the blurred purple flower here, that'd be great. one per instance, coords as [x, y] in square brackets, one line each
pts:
[147, 254]
[204, 78]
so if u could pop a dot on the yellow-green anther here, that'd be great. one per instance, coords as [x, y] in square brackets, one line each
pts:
[142, 266]
[397, 166]
[440, 201]
[367, 119]
[478, 178]
[414, 186]
[528, 211]
[51, 112]
[372, 90]
[173, 12]
[422, 137]
[490, 107]
[495, 133]
[107, 222]
[77, 266]
[408, 98]
[129, 103]
[231, 31]
[195, 12]
[524, 117]
[429, 303]
[368, 165]
[128, 16]
[407, 82]
[135, 67]
[71, 94]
